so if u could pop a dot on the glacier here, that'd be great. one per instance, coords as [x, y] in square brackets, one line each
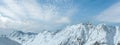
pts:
[79, 34]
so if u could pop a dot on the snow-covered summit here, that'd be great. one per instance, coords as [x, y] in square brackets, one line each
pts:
[80, 34]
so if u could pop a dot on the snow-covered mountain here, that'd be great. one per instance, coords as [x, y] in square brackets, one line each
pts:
[80, 34]
[21, 37]
[7, 41]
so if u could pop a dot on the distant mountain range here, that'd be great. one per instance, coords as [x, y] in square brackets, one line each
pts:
[80, 34]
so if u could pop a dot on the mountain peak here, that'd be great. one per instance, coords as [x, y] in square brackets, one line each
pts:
[83, 33]
[80, 34]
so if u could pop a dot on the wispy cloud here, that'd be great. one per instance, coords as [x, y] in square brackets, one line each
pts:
[31, 14]
[112, 14]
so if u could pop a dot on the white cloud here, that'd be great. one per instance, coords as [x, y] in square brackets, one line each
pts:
[63, 20]
[112, 14]
[30, 15]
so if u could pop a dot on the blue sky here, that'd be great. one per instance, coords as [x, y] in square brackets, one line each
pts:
[37, 15]
[91, 8]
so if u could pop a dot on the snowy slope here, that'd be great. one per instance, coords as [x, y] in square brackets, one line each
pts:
[21, 37]
[7, 41]
[80, 34]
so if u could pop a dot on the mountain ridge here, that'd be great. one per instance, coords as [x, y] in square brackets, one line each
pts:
[80, 34]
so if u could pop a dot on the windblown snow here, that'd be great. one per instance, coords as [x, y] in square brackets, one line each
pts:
[80, 34]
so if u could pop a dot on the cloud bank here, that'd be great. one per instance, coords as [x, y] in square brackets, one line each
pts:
[35, 14]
